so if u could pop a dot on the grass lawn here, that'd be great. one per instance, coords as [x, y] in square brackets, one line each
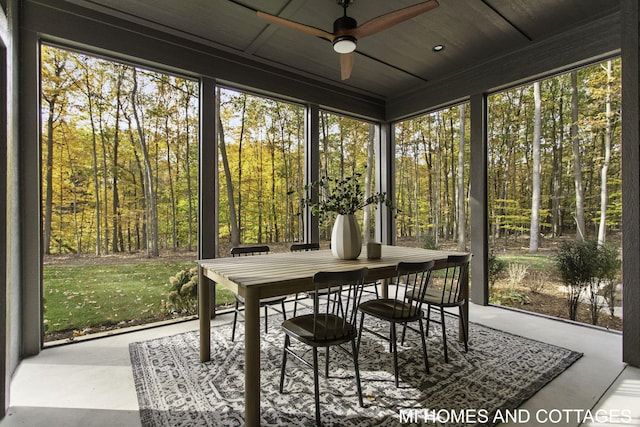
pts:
[87, 297]
[93, 296]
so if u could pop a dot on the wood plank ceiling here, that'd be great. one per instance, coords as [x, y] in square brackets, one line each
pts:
[395, 61]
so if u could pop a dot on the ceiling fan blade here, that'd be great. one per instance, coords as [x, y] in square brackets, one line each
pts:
[390, 19]
[307, 29]
[346, 65]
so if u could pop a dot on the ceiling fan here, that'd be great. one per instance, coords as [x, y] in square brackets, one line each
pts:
[347, 32]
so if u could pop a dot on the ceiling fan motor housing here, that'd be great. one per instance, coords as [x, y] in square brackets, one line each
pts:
[343, 25]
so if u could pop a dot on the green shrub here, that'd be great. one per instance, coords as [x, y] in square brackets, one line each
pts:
[182, 297]
[509, 297]
[428, 241]
[496, 268]
[586, 266]
[608, 266]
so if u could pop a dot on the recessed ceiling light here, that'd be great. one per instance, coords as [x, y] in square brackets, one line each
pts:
[438, 48]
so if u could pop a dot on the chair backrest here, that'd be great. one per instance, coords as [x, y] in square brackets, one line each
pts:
[249, 250]
[299, 247]
[412, 280]
[456, 279]
[339, 313]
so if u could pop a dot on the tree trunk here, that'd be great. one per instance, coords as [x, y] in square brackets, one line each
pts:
[117, 243]
[187, 166]
[239, 206]
[367, 182]
[416, 192]
[577, 162]
[172, 191]
[48, 204]
[152, 220]
[94, 157]
[55, 86]
[445, 172]
[534, 238]
[275, 226]
[235, 234]
[558, 165]
[602, 229]
[461, 220]
[105, 173]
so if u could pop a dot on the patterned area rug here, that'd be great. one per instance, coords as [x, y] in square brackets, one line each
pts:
[499, 372]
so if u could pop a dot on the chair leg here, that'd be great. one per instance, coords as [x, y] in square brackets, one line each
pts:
[424, 346]
[326, 363]
[295, 305]
[354, 350]
[284, 362]
[316, 386]
[464, 332]
[266, 320]
[404, 331]
[444, 335]
[235, 320]
[394, 346]
[360, 330]
[284, 311]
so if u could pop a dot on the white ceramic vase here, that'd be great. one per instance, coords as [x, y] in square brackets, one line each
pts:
[346, 239]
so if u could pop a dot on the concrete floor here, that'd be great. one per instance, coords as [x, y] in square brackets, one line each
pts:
[91, 384]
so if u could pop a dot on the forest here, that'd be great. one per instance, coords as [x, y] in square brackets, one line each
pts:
[554, 163]
[120, 161]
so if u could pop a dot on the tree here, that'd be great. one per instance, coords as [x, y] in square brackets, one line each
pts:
[89, 92]
[188, 93]
[461, 219]
[118, 240]
[150, 194]
[54, 87]
[602, 229]
[368, 182]
[535, 199]
[235, 233]
[577, 161]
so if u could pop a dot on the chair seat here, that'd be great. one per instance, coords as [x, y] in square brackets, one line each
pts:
[333, 328]
[266, 301]
[391, 310]
[434, 297]
[321, 292]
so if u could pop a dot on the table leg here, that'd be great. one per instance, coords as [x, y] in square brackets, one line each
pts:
[384, 292]
[204, 315]
[463, 327]
[252, 358]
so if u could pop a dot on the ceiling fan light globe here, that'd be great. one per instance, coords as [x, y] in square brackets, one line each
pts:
[344, 44]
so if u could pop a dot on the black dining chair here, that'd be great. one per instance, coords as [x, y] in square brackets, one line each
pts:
[298, 247]
[449, 289]
[303, 247]
[267, 303]
[402, 307]
[330, 325]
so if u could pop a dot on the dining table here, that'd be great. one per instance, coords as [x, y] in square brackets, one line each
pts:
[281, 274]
